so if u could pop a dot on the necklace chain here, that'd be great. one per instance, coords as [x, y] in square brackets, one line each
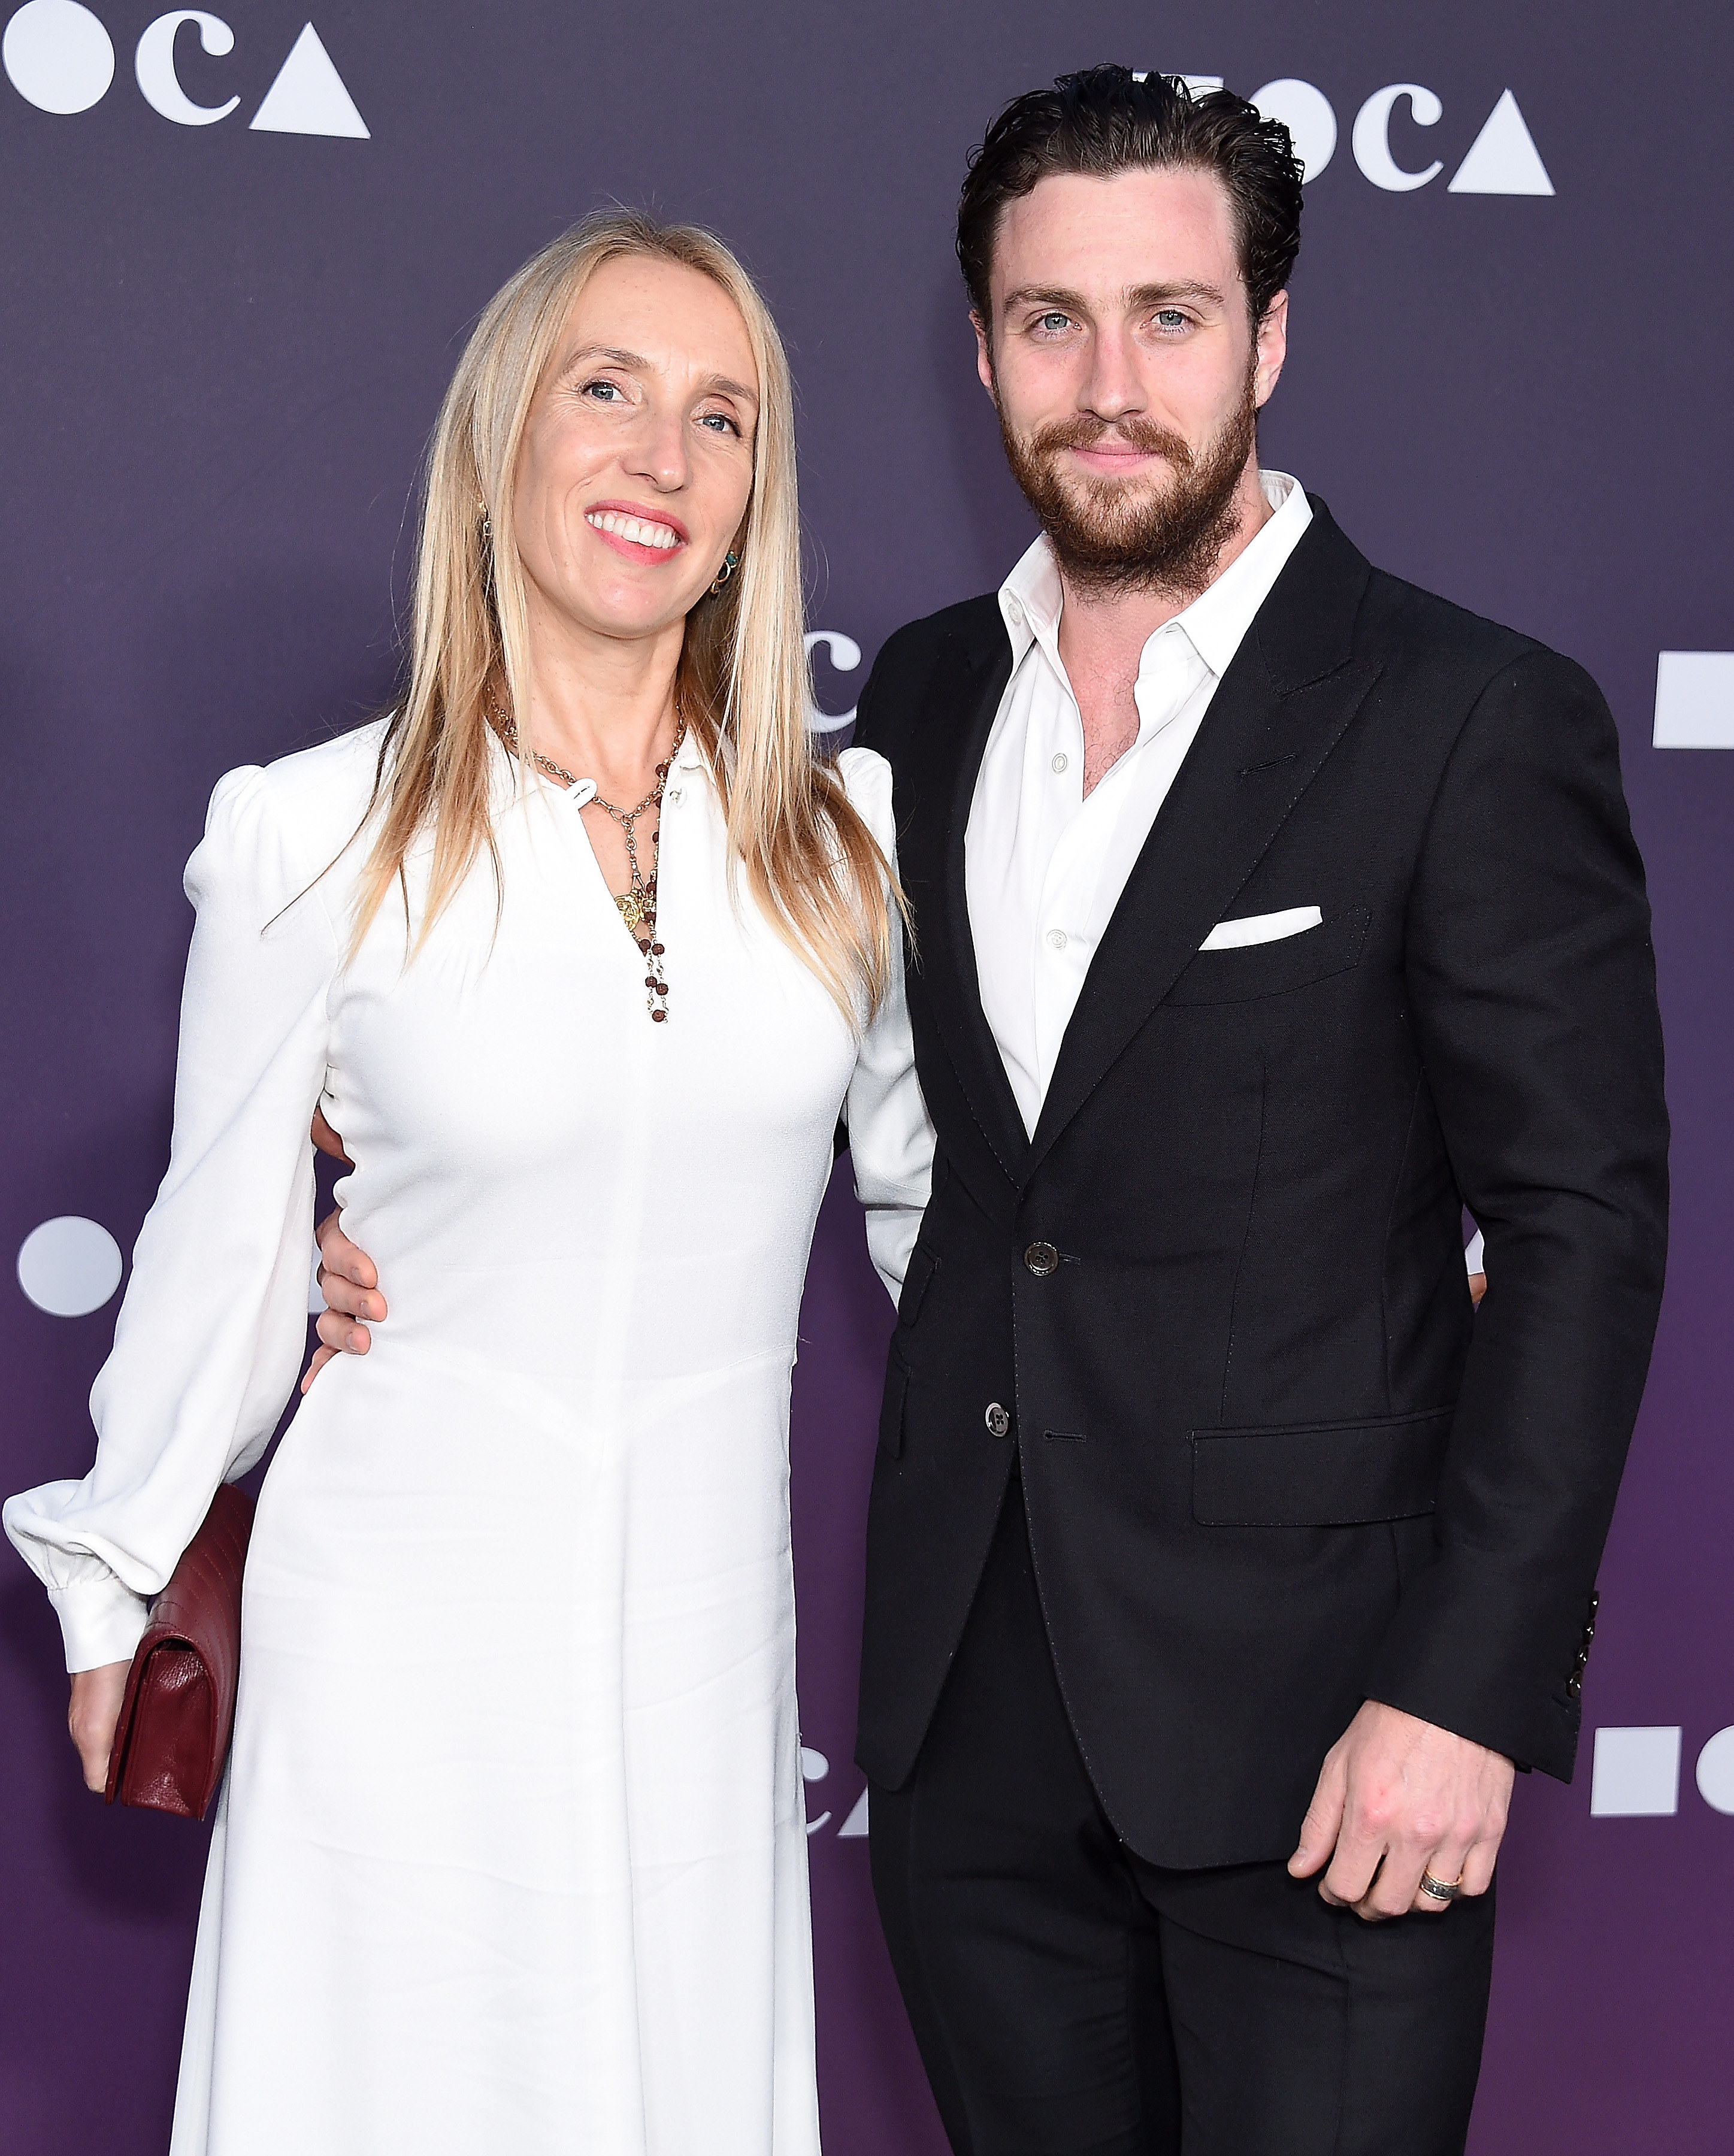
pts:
[636, 903]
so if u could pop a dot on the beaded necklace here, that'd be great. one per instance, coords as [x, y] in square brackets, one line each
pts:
[636, 903]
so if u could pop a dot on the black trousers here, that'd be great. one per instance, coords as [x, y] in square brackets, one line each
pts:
[1070, 1999]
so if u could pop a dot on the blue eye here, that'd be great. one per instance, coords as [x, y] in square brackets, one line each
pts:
[1170, 318]
[719, 422]
[1056, 322]
[604, 393]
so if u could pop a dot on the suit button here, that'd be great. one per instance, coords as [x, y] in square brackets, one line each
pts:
[1042, 1259]
[998, 1421]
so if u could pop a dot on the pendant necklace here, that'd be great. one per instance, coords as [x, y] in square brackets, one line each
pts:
[636, 903]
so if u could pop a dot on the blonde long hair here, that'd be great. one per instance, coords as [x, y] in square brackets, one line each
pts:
[810, 862]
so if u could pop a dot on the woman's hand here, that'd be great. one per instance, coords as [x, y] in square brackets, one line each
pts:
[95, 1708]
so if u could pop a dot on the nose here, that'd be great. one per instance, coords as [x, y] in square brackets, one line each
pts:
[658, 451]
[1113, 388]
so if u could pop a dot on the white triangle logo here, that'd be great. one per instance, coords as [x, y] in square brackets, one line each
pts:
[1503, 159]
[308, 97]
[856, 1823]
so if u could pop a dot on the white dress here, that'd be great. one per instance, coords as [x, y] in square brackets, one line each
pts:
[512, 1853]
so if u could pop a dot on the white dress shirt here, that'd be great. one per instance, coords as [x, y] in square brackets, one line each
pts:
[1044, 867]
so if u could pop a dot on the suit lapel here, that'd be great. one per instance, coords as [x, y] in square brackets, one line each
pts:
[1281, 707]
[958, 710]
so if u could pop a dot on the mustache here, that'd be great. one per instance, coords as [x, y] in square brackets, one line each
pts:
[1083, 431]
[1119, 536]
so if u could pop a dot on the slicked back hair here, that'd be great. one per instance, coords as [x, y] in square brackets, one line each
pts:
[1107, 121]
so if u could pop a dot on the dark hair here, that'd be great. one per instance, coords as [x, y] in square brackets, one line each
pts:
[1107, 119]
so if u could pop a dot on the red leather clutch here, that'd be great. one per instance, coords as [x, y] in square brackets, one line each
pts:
[179, 1710]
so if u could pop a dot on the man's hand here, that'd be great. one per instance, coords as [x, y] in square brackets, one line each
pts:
[1396, 1797]
[95, 1708]
[350, 1284]
[327, 1140]
[348, 1279]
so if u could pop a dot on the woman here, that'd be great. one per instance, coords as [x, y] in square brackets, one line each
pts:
[583, 952]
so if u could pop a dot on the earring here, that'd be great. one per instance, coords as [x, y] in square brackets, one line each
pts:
[481, 510]
[731, 562]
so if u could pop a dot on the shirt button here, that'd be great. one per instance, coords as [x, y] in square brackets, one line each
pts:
[1042, 1259]
[1062, 761]
[1056, 939]
[998, 1420]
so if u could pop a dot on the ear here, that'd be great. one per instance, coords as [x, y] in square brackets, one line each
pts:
[984, 355]
[1270, 348]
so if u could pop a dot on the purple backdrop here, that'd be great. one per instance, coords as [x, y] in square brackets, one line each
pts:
[223, 343]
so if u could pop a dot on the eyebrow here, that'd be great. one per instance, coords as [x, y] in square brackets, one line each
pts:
[610, 353]
[1161, 295]
[1140, 296]
[722, 386]
[716, 384]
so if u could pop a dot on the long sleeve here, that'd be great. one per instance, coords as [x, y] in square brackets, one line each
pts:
[1532, 989]
[211, 1332]
[890, 1134]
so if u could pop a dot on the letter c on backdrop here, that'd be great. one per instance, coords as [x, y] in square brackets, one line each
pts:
[1372, 139]
[156, 67]
[845, 654]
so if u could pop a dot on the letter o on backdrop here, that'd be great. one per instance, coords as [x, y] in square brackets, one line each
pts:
[1306, 113]
[155, 66]
[1715, 1772]
[1372, 139]
[57, 56]
[70, 1266]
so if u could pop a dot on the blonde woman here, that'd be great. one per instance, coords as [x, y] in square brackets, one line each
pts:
[582, 951]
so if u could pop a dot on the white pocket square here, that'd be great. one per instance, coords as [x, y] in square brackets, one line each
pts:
[1262, 928]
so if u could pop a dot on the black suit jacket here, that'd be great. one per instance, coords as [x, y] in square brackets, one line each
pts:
[1273, 1462]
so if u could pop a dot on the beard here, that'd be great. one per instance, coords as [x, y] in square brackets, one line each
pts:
[1112, 535]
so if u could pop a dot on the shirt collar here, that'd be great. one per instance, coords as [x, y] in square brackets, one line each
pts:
[1029, 601]
[1216, 621]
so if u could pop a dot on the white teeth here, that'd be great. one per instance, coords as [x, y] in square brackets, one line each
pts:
[635, 528]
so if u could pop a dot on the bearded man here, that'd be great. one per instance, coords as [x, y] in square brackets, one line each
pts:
[1223, 1563]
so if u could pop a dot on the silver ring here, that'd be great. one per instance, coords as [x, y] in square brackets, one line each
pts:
[1441, 1889]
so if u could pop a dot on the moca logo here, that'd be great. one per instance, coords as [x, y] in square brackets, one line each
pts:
[58, 57]
[1502, 160]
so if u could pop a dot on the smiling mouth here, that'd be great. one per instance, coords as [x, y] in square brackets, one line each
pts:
[640, 531]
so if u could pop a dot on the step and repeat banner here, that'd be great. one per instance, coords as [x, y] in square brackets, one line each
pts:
[240, 251]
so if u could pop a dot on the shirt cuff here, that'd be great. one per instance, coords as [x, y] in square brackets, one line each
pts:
[101, 1621]
[891, 1233]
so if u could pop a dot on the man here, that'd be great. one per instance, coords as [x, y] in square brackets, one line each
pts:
[1269, 910]
[1223, 1565]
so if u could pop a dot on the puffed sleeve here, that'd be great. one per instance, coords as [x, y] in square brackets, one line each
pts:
[210, 1335]
[890, 1134]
